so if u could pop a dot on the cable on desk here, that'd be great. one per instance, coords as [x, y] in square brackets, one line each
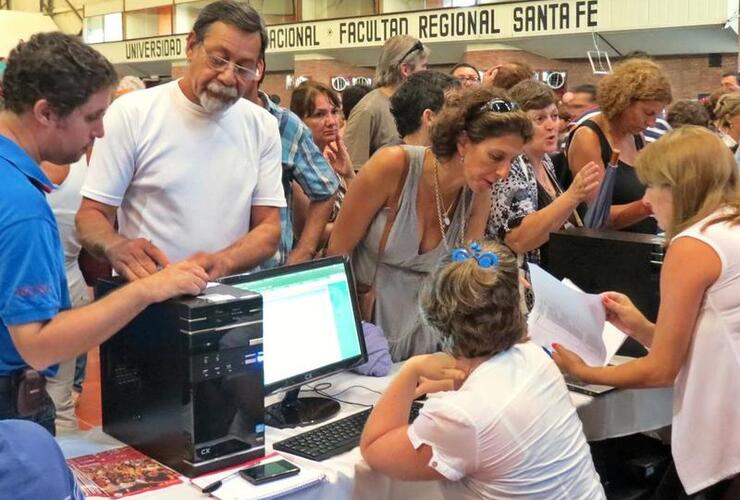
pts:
[322, 387]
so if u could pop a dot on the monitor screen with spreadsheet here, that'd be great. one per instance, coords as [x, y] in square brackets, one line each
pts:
[311, 322]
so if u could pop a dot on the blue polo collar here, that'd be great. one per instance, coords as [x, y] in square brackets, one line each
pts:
[16, 156]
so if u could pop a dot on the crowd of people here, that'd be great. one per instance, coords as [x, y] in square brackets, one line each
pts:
[207, 176]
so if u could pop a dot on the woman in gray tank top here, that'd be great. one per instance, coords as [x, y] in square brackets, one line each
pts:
[443, 199]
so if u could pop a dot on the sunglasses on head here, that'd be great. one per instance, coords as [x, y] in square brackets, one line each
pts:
[497, 105]
[417, 46]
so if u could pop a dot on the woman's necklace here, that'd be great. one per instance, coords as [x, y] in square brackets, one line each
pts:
[442, 212]
[544, 180]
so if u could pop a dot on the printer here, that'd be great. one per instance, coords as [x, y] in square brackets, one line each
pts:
[183, 381]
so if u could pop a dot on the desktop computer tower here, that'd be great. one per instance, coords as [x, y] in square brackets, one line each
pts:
[183, 381]
[599, 261]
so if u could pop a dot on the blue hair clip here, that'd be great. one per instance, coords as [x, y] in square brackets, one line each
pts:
[485, 259]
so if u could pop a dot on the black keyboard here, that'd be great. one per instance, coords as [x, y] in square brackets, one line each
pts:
[333, 438]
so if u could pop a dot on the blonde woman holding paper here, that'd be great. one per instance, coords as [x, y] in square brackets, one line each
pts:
[692, 188]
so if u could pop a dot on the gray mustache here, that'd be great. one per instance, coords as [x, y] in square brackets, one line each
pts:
[218, 89]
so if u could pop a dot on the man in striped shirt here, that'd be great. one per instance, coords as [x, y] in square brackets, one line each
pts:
[304, 163]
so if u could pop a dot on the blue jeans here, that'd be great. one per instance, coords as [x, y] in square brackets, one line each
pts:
[80, 366]
[44, 417]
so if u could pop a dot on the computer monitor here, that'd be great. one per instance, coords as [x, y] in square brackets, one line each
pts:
[312, 329]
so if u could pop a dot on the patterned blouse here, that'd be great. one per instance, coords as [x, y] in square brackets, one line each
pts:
[516, 196]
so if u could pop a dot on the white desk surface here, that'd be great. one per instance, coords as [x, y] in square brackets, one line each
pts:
[614, 414]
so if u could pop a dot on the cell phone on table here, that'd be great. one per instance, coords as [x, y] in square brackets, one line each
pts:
[271, 471]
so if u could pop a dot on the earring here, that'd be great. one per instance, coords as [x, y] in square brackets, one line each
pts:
[462, 160]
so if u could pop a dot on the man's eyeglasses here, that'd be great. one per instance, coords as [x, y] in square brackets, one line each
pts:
[418, 46]
[218, 63]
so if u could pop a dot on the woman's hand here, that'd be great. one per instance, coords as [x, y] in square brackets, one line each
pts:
[585, 183]
[490, 74]
[622, 313]
[338, 156]
[568, 361]
[435, 367]
[428, 386]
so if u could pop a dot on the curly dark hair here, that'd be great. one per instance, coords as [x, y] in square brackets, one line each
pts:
[57, 67]
[531, 94]
[236, 14]
[303, 99]
[463, 112]
[687, 112]
[420, 91]
[633, 80]
[475, 310]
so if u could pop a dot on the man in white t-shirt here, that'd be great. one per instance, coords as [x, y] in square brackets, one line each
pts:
[192, 171]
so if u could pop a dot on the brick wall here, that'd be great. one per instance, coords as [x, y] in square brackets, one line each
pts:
[689, 75]
[321, 70]
[274, 83]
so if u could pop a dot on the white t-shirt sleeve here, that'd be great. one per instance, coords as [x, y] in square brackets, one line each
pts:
[450, 434]
[112, 162]
[269, 188]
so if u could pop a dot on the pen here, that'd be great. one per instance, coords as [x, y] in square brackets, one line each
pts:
[548, 351]
[217, 484]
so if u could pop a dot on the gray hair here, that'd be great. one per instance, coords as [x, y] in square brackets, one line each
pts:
[395, 54]
[239, 15]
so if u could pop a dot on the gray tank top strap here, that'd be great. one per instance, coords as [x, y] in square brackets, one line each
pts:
[415, 156]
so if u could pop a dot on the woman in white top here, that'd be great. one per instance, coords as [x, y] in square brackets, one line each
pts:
[692, 188]
[504, 426]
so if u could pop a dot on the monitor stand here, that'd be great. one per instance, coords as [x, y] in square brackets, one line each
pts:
[293, 411]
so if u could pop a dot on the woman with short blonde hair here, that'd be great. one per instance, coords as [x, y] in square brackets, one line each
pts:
[692, 187]
[502, 425]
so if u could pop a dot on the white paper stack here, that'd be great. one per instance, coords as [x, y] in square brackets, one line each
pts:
[565, 315]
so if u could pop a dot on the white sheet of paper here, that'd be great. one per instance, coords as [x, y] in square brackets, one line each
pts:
[565, 315]
[612, 336]
[237, 488]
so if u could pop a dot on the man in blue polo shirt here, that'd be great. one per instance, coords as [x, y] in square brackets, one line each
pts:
[56, 92]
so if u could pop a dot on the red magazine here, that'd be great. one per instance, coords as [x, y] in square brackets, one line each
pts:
[120, 472]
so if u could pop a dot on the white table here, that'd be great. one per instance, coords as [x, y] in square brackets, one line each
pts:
[613, 414]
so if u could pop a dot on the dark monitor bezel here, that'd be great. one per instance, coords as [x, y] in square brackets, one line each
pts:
[324, 371]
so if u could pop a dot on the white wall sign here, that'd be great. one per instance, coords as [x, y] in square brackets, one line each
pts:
[499, 22]
[474, 23]
[172, 47]
[339, 83]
